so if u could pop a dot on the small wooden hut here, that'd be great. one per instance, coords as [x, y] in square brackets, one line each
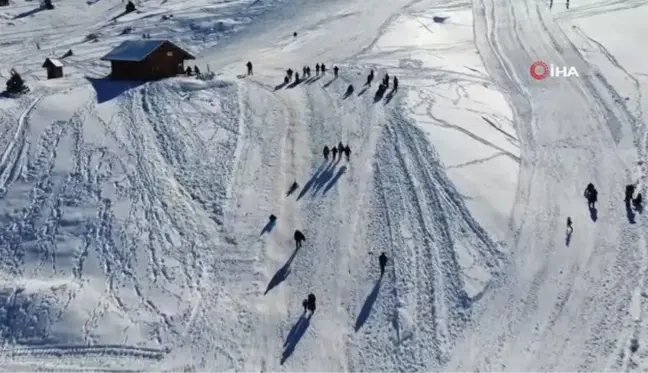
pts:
[54, 68]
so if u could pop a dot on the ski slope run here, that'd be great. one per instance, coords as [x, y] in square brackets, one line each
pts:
[561, 307]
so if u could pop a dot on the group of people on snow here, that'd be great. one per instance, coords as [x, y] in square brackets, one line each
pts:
[309, 303]
[340, 148]
[306, 72]
[320, 68]
[382, 87]
[591, 194]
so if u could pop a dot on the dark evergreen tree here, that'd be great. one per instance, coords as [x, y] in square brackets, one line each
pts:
[15, 84]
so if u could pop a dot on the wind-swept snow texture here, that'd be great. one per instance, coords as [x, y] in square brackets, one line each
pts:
[135, 229]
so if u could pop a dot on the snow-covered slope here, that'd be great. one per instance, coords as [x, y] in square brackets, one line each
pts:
[135, 232]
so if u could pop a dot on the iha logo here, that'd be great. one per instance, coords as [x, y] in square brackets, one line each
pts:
[541, 70]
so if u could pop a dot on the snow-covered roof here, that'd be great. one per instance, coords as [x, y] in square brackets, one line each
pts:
[54, 62]
[136, 50]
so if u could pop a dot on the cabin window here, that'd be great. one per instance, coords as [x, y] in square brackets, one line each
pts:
[169, 54]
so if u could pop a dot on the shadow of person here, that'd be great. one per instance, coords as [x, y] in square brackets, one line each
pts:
[568, 236]
[593, 213]
[335, 179]
[294, 336]
[282, 274]
[630, 213]
[368, 305]
[269, 226]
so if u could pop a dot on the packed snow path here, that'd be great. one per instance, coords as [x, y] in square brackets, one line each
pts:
[562, 304]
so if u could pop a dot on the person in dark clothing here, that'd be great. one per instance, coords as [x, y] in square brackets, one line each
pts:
[591, 194]
[249, 68]
[334, 151]
[286, 79]
[629, 192]
[386, 81]
[323, 68]
[370, 78]
[335, 71]
[340, 148]
[326, 152]
[196, 70]
[569, 224]
[380, 91]
[395, 83]
[308, 71]
[297, 77]
[310, 303]
[299, 238]
[347, 152]
[567, 4]
[304, 71]
[382, 259]
[317, 68]
[289, 72]
[188, 71]
[305, 305]
[349, 90]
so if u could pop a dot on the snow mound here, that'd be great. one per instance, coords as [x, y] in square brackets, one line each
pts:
[37, 312]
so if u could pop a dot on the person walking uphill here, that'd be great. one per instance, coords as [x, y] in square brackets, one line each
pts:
[335, 70]
[629, 193]
[299, 238]
[310, 303]
[249, 68]
[334, 151]
[326, 152]
[592, 195]
[382, 259]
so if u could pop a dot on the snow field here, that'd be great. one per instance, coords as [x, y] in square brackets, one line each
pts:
[133, 217]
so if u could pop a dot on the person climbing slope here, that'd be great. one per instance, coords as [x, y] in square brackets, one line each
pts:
[382, 260]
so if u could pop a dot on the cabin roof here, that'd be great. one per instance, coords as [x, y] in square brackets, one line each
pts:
[138, 50]
[52, 62]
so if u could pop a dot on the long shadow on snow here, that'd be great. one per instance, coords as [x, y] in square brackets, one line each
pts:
[325, 176]
[295, 84]
[268, 227]
[313, 80]
[335, 179]
[295, 335]
[29, 13]
[568, 237]
[108, 89]
[629, 213]
[593, 213]
[282, 273]
[311, 181]
[389, 96]
[368, 305]
[330, 82]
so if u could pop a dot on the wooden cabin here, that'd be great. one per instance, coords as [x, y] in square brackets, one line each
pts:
[146, 60]
[54, 68]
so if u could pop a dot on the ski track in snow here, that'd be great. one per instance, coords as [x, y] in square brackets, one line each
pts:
[552, 320]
